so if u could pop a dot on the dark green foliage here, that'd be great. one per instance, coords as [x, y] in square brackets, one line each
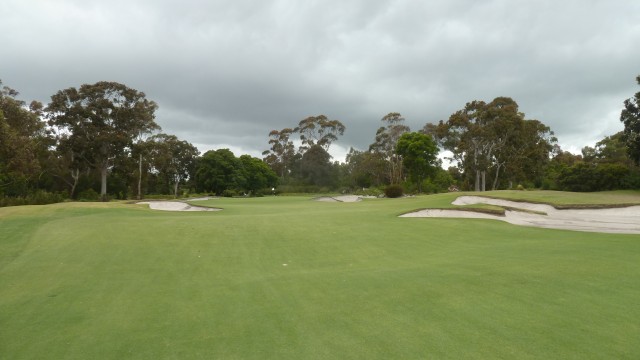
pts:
[229, 193]
[38, 197]
[23, 145]
[593, 177]
[102, 120]
[221, 172]
[438, 183]
[419, 155]
[603, 167]
[494, 144]
[316, 168]
[364, 169]
[89, 195]
[630, 117]
[394, 191]
[257, 175]
[217, 171]
[172, 158]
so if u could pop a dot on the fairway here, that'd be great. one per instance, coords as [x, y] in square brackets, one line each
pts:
[290, 278]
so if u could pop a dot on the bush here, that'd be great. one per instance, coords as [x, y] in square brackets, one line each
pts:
[39, 197]
[593, 177]
[520, 187]
[89, 195]
[229, 193]
[394, 191]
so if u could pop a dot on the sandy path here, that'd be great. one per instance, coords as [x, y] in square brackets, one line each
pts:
[175, 206]
[617, 220]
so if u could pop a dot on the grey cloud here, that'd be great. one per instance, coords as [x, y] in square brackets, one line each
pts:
[229, 72]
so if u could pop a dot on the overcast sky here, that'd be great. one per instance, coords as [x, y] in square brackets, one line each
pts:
[225, 73]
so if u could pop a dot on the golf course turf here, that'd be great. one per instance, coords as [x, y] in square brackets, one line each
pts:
[290, 278]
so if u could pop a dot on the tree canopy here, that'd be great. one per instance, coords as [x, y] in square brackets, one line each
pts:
[101, 120]
[495, 137]
[319, 130]
[23, 143]
[630, 117]
[419, 154]
[106, 129]
[386, 139]
[173, 158]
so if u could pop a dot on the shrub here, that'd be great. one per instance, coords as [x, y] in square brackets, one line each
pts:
[229, 193]
[89, 195]
[520, 187]
[38, 197]
[593, 177]
[394, 191]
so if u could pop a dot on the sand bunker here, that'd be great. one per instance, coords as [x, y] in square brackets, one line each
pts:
[175, 206]
[617, 220]
[342, 198]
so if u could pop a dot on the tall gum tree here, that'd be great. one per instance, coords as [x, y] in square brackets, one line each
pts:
[173, 158]
[319, 130]
[494, 138]
[385, 143]
[103, 119]
[281, 153]
[630, 117]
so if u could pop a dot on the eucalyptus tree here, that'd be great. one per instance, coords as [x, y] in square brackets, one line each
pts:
[385, 143]
[172, 158]
[102, 119]
[281, 153]
[365, 168]
[319, 130]
[316, 167]
[630, 117]
[23, 139]
[486, 137]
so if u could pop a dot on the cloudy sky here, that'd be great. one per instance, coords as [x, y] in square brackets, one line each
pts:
[225, 73]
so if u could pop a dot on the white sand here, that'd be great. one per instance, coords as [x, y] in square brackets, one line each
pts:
[342, 198]
[618, 220]
[175, 206]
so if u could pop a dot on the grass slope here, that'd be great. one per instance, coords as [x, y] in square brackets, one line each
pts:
[114, 281]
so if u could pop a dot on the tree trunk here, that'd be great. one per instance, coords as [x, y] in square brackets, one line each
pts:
[103, 182]
[175, 189]
[484, 180]
[477, 187]
[75, 175]
[495, 180]
[140, 178]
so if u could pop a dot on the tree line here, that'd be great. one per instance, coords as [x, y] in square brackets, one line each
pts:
[101, 141]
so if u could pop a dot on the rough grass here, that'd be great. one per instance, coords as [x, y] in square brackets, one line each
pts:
[290, 278]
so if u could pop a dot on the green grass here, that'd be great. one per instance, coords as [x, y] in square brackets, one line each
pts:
[569, 199]
[116, 281]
